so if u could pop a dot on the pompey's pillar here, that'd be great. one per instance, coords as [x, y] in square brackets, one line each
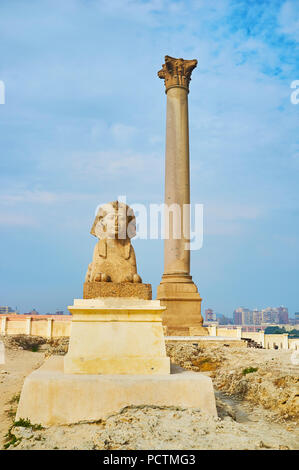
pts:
[177, 291]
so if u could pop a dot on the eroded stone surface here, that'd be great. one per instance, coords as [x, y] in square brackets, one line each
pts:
[92, 290]
[114, 256]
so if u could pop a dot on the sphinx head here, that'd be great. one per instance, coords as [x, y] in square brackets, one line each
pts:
[114, 220]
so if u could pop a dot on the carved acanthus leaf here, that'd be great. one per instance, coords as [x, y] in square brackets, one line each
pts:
[177, 72]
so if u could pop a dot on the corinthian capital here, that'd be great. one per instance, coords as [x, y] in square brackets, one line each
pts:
[177, 72]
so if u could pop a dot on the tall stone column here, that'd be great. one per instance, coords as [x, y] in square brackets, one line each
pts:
[177, 291]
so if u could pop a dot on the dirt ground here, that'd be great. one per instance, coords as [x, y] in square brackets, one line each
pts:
[18, 364]
[256, 393]
[265, 377]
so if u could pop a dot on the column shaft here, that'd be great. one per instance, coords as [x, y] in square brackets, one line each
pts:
[177, 182]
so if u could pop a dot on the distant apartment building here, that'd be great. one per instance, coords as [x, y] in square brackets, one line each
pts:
[269, 315]
[5, 310]
[283, 315]
[256, 317]
[248, 317]
[243, 316]
[210, 315]
[278, 315]
[296, 317]
[237, 317]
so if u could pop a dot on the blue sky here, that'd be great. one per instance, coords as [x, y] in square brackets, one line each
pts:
[84, 122]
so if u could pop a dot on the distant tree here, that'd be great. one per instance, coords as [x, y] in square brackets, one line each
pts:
[275, 330]
[294, 333]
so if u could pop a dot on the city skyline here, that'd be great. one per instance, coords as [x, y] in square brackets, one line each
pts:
[214, 315]
[246, 316]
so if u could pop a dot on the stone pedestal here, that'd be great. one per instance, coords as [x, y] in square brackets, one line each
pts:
[116, 336]
[116, 358]
[51, 397]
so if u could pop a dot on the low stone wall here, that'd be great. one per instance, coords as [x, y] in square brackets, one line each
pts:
[206, 341]
[227, 332]
[277, 341]
[294, 343]
[281, 341]
[258, 337]
[36, 325]
[56, 326]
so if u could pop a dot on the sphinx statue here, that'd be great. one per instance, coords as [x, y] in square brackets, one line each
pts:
[114, 256]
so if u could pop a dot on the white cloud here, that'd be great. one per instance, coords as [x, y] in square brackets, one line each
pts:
[234, 211]
[123, 133]
[228, 219]
[117, 133]
[96, 165]
[134, 10]
[17, 220]
[39, 197]
[288, 19]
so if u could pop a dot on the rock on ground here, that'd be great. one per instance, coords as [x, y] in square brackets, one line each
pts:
[150, 427]
[264, 377]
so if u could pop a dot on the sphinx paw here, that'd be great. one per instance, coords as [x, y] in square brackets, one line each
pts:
[102, 277]
[137, 278]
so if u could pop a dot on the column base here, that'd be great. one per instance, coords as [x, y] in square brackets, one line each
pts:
[181, 298]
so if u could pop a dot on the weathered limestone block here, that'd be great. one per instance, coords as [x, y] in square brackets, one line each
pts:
[92, 290]
[51, 397]
[116, 336]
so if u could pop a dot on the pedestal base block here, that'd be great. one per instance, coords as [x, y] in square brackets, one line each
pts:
[50, 397]
[116, 336]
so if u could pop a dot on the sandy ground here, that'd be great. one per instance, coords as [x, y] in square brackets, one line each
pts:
[18, 364]
[252, 413]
